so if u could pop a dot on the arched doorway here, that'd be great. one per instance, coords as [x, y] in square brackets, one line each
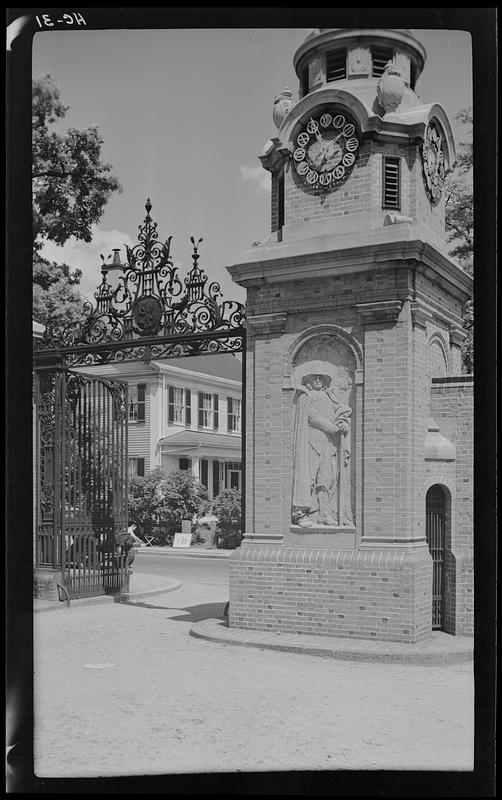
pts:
[435, 528]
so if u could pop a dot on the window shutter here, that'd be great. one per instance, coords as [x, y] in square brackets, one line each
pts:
[188, 407]
[229, 413]
[215, 412]
[141, 467]
[391, 183]
[170, 408]
[216, 478]
[204, 472]
[380, 57]
[336, 65]
[141, 401]
[201, 413]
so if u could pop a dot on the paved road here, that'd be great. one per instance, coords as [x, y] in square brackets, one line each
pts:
[184, 568]
[125, 690]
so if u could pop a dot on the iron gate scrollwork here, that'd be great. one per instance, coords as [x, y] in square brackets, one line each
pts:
[82, 481]
[150, 312]
[147, 313]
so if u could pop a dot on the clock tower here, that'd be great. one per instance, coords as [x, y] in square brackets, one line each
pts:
[354, 313]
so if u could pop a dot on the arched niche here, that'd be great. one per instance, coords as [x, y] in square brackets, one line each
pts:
[322, 367]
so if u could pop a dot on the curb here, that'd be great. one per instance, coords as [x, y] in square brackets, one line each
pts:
[438, 652]
[40, 606]
[126, 597]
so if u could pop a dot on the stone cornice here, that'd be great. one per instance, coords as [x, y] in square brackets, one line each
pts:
[264, 324]
[332, 255]
[275, 155]
[386, 311]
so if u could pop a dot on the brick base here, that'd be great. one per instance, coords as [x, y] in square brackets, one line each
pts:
[372, 594]
[45, 582]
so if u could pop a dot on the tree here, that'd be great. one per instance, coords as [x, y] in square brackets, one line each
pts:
[71, 185]
[56, 298]
[159, 502]
[460, 224]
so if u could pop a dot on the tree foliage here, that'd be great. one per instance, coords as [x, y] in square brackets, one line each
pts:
[159, 502]
[57, 301]
[71, 184]
[460, 224]
[459, 200]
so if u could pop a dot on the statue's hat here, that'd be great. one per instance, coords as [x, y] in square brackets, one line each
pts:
[323, 368]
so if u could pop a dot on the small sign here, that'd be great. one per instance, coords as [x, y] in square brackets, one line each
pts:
[186, 526]
[182, 540]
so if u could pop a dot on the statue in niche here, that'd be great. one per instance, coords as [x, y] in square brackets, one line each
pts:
[321, 479]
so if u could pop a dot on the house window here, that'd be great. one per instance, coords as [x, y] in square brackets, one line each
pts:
[208, 411]
[136, 467]
[137, 402]
[233, 415]
[380, 57]
[391, 189]
[336, 65]
[186, 464]
[179, 406]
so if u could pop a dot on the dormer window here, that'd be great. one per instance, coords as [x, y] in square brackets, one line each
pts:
[380, 56]
[336, 65]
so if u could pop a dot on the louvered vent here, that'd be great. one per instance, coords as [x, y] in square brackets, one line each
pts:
[391, 183]
[336, 65]
[380, 57]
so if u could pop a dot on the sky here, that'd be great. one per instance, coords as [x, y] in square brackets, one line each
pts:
[184, 115]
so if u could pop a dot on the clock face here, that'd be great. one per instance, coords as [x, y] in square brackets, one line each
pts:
[433, 162]
[326, 149]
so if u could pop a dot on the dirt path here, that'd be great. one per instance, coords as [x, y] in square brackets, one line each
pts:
[174, 704]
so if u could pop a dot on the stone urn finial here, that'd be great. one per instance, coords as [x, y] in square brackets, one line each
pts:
[390, 88]
[283, 103]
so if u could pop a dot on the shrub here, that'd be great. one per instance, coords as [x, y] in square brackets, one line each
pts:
[227, 507]
[159, 502]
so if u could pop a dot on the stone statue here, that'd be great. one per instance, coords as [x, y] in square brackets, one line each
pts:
[321, 456]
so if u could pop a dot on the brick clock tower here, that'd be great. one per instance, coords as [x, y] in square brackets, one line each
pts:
[354, 318]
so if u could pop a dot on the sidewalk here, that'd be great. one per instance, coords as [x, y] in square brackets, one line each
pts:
[440, 649]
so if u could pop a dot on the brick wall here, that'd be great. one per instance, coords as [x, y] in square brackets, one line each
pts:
[361, 192]
[381, 595]
[452, 408]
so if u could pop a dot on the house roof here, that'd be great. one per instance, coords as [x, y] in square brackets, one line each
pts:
[219, 365]
[195, 439]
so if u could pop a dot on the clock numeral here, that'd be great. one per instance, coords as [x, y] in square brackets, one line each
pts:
[302, 168]
[339, 121]
[303, 139]
[299, 154]
[312, 126]
[352, 144]
[349, 130]
[348, 159]
[326, 120]
[339, 172]
[325, 178]
[312, 176]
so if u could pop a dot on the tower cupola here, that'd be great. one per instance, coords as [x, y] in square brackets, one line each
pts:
[358, 58]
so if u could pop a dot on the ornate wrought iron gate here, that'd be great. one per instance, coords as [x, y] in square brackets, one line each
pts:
[435, 533]
[82, 480]
[147, 313]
